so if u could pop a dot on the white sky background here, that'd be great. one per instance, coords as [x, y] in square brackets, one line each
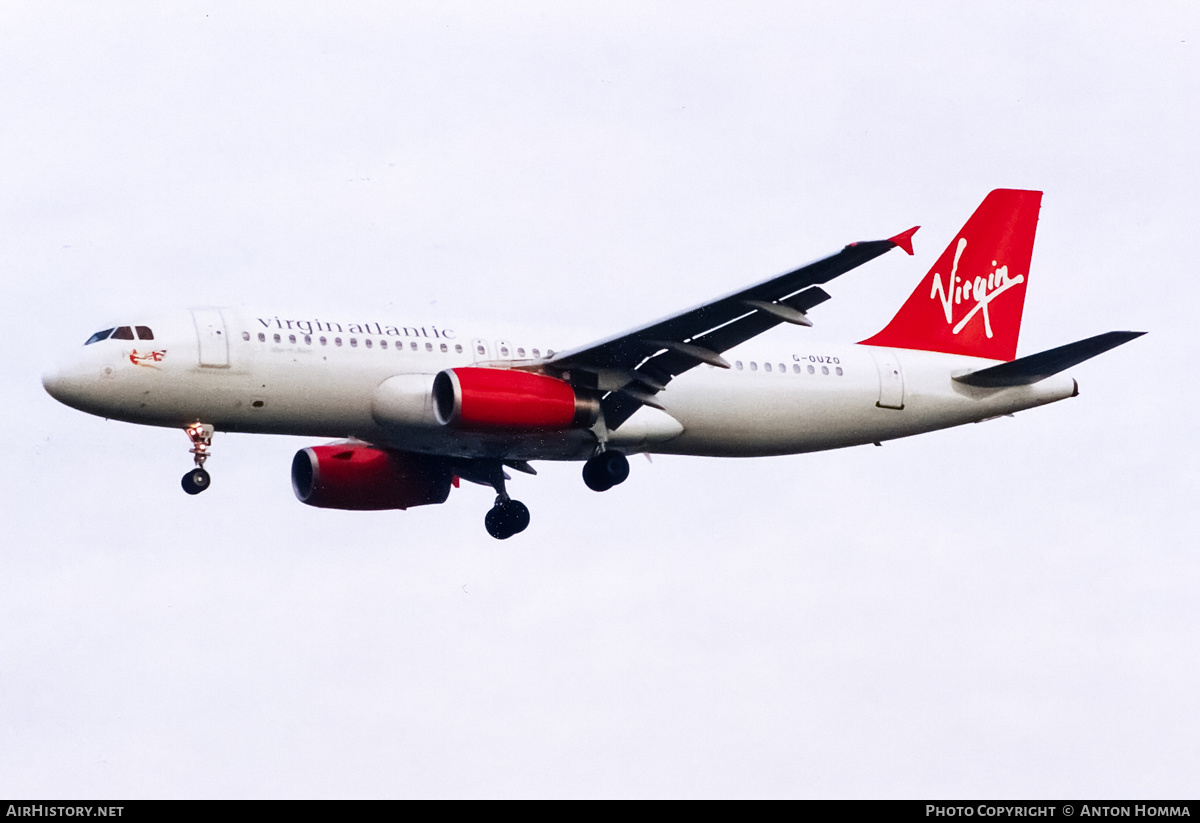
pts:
[1006, 610]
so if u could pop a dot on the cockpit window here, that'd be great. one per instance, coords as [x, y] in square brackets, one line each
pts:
[144, 333]
[123, 333]
[98, 336]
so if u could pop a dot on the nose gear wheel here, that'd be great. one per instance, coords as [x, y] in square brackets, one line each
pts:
[196, 481]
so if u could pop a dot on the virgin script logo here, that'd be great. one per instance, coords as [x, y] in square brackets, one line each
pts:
[983, 290]
[151, 356]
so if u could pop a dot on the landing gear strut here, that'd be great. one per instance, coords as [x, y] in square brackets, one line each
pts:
[605, 470]
[197, 480]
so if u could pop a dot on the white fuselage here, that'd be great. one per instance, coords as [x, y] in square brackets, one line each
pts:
[257, 373]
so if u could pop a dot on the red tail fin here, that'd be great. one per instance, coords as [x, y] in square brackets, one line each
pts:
[971, 300]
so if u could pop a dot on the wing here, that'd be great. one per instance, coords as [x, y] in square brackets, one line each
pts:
[631, 368]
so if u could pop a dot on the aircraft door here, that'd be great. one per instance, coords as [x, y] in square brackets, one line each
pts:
[891, 379]
[212, 337]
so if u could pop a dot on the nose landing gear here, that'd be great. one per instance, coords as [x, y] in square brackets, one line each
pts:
[605, 470]
[197, 480]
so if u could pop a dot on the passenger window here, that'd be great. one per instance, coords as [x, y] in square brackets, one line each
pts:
[520, 352]
[737, 365]
[504, 351]
[480, 350]
[766, 366]
[428, 347]
[753, 366]
[308, 339]
[262, 338]
[782, 368]
[549, 352]
[536, 353]
[445, 348]
[337, 341]
[796, 368]
[144, 333]
[811, 370]
[824, 370]
[354, 342]
[839, 371]
[458, 348]
[323, 341]
[278, 339]
[383, 344]
[98, 336]
[414, 345]
[246, 336]
[368, 342]
[291, 338]
[123, 333]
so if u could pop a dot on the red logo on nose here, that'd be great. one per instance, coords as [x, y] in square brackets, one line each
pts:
[155, 356]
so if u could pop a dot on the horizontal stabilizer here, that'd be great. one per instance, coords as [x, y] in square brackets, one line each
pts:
[1028, 370]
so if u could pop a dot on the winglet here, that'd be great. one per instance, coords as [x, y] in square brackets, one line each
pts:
[904, 239]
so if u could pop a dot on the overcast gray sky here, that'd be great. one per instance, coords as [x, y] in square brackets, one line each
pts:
[1004, 610]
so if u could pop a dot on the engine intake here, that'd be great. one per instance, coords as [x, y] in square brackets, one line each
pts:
[365, 478]
[509, 400]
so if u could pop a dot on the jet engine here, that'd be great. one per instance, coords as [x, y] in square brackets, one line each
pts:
[504, 399]
[362, 477]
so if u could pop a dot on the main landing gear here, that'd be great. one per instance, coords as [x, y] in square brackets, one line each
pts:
[506, 518]
[197, 480]
[605, 470]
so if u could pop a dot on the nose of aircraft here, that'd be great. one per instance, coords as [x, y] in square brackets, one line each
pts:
[55, 384]
[67, 383]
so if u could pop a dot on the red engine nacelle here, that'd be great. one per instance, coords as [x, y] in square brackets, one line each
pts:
[363, 477]
[504, 399]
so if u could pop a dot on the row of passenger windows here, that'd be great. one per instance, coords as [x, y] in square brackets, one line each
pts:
[481, 350]
[782, 368]
[502, 347]
[353, 341]
[121, 333]
[398, 345]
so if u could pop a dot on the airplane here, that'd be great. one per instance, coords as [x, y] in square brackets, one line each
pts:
[414, 409]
